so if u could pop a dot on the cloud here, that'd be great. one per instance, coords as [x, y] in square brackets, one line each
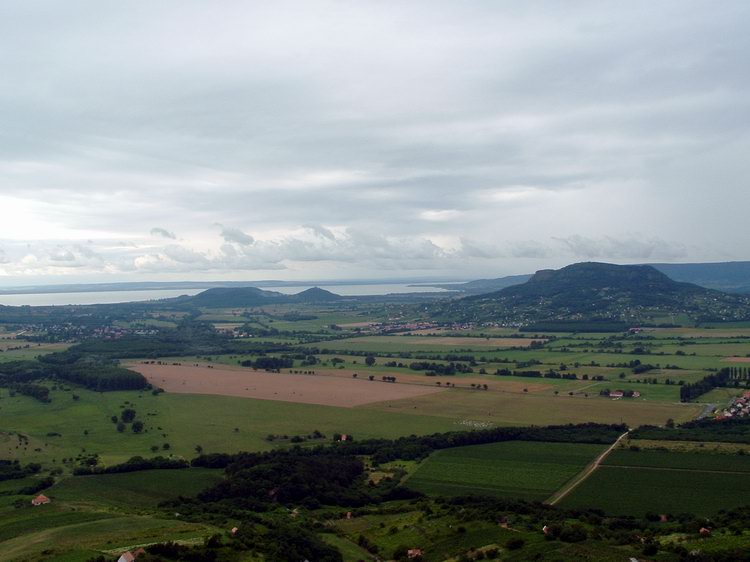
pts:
[236, 236]
[61, 254]
[628, 248]
[156, 231]
[321, 231]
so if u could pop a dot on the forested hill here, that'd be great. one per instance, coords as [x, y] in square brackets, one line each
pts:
[585, 291]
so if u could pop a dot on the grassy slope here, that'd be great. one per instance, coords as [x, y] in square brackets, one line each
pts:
[104, 512]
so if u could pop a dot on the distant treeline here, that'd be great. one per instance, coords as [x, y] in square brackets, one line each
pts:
[736, 430]
[134, 464]
[190, 337]
[36, 391]
[551, 374]
[728, 376]
[270, 363]
[594, 326]
[72, 368]
[418, 447]
[13, 470]
[441, 369]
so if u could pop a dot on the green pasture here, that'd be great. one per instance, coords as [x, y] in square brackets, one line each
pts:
[217, 423]
[31, 352]
[519, 408]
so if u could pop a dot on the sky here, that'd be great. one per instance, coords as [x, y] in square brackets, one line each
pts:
[249, 140]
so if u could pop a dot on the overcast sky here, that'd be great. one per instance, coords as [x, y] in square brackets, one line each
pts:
[318, 140]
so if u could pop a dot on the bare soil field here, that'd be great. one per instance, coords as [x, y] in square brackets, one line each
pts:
[308, 389]
[737, 359]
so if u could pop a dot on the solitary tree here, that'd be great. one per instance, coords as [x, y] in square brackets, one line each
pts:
[370, 360]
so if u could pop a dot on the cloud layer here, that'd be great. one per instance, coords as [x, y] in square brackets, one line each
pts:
[327, 139]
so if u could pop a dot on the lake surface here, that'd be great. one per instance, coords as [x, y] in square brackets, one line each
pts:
[110, 297]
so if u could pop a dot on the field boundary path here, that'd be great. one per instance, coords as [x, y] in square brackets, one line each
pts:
[585, 473]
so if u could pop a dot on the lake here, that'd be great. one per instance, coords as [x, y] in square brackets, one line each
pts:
[110, 297]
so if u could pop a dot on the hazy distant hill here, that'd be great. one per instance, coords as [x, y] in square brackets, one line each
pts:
[725, 276]
[221, 297]
[731, 277]
[480, 286]
[227, 297]
[584, 291]
[316, 294]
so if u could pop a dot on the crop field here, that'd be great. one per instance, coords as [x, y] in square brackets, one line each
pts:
[633, 483]
[133, 490]
[677, 461]
[517, 469]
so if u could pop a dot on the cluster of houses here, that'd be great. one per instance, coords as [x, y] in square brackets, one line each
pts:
[69, 331]
[738, 408]
[624, 394]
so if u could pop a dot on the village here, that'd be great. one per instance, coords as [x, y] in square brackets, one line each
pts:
[738, 408]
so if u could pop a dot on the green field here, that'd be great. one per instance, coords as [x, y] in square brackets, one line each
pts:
[664, 459]
[133, 490]
[519, 408]
[516, 469]
[217, 423]
[634, 483]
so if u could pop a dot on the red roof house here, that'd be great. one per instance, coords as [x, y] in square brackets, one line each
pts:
[41, 499]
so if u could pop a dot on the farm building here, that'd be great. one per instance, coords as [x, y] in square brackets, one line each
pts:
[130, 556]
[41, 499]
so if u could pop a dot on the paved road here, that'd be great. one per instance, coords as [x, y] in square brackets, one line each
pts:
[707, 410]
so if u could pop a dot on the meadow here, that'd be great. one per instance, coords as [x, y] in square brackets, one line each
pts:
[66, 428]
[516, 469]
